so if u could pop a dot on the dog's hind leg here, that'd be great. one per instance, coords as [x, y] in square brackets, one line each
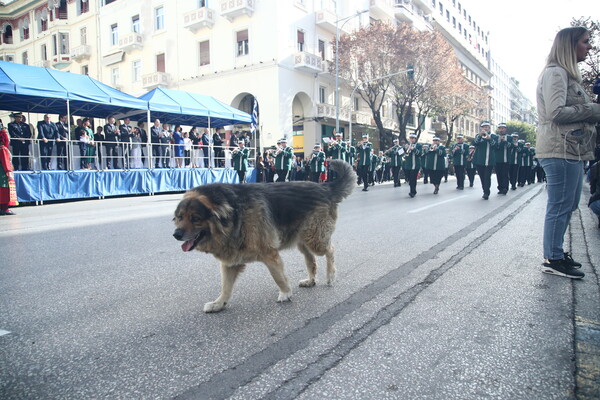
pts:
[275, 265]
[311, 266]
[229, 274]
[329, 256]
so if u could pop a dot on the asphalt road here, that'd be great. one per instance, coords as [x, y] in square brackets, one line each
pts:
[436, 297]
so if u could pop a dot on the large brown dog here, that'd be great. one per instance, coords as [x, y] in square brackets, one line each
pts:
[239, 224]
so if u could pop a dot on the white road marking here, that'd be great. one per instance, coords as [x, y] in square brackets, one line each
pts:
[416, 210]
[3, 332]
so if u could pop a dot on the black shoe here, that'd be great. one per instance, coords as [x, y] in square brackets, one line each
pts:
[6, 212]
[513, 188]
[437, 189]
[485, 196]
[411, 195]
[569, 260]
[471, 185]
[561, 268]
[365, 190]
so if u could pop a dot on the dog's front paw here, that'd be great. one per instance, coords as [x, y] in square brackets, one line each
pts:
[307, 283]
[284, 297]
[213, 306]
[330, 279]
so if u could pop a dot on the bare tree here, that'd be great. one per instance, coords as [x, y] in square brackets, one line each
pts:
[590, 70]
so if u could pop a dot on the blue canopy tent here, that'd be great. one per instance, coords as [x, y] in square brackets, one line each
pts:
[41, 90]
[185, 108]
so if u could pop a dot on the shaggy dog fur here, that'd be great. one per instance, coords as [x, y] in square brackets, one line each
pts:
[239, 224]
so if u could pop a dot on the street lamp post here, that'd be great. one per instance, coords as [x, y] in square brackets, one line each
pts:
[362, 83]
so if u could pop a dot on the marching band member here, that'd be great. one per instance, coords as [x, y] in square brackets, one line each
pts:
[239, 157]
[411, 163]
[350, 153]
[469, 166]
[317, 163]
[423, 162]
[337, 151]
[380, 168]
[364, 150]
[502, 156]
[485, 156]
[460, 150]
[523, 162]
[513, 161]
[435, 163]
[395, 156]
[530, 157]
[283, 160]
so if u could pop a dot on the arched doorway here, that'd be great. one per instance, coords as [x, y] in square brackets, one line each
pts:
[248, 103]
[302, 120]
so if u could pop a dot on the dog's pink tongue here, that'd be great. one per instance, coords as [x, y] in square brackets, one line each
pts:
[187, 245]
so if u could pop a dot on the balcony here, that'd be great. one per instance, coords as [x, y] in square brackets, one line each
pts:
[424, 5]
[130, 42]
[327, 111]
[82, 52]
[308, 62]
[326, 19]
[361, 117]
[42, 64]
[381, 9]
[61, 60]
[199, 18]
[231, 9]
[155, 79]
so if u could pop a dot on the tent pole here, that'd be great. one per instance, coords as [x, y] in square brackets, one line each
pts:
[148, 140]
[68, 146]
[211, 148]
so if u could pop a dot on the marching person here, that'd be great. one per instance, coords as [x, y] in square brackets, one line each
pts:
[283, 160]
[523, 162]
[470, 167]
[350, 153]
[531, 157]
[435, 164]
[337, 151]
[47, 133]
[317, 163]
[239, 157]
[364, 150]
[423, 162]
[20, 133]
[61, 142]
[8, 191]
[460, 150]
[412, 163]
[394, 154]
[502, 157]
[485, 156]
[513, 161]
[447, 164]
[381, 163]
[110, 144]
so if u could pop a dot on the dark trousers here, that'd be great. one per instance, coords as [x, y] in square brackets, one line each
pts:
[411, 176]
[314, 176]
[112, 156]
[282, 175]
[396, 175]
[531, 176]
[242, 176]
[471, 175]
[523, 174]
[459, 171]
[46, 150]
[20, 159]
[513, 174]
[485, 175]
[156, 154]
[61, 155]
[435, 176]
[425, 175]
[219, 154]
[363, 173]
[205, 158]
[165, 155]
[541, 175]
[502, 176]
[379, 175]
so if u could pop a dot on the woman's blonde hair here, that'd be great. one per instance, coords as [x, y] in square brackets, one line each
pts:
[563, 51]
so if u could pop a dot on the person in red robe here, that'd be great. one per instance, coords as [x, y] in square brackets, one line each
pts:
[8, 190]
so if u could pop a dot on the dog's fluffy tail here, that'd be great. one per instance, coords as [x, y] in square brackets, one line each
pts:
[343, 184]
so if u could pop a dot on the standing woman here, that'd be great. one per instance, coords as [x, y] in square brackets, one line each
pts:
[565, 140]
[8, 191]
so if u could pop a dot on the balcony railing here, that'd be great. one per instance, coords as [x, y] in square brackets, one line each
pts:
[308, 62]
[131, 41]
[199, 18]
[326, 20]
[155, 79]
[42, 63]
[327, 111]
[61, 60]
[232, 9]
[81, 52]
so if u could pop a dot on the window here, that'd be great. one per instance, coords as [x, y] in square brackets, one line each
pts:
[25, 58]
[7, 36]
[83, 35]
[114, 76]
[114, 34]
[107, 2]
[43, 25]
[441, 9]
[83, 6]
[459, 7]
[44, 52]
[447, 15]
[85, 70]
[54, 46]
[242, 42]
[454, 22]
[322, 49]
[160, 62]
[25, 32]
[202, 3]
[204, 52]
[136, 69]
[383, 110]
[159, 18]
[61, 11]
[63, 43]
[410, 117]
[321, 94]
[356, 104]
[300, 40]
[135, 24]
[460, 29]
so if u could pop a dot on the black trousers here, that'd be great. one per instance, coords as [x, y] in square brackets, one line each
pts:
[531, 176]
[112, 156]
[411, 176]
[459, 171]
[485, 174]
[205, 158]
[435, 176]
[20, 159]
[46, 150]
[396, 175]
[425, 175]
[513, 174]
[363, 173]
[523, 174]
[242, 176]
[471, 175]
[502, 176]
[61, 155]
[282, 174]
[541, 175]
[314, 176]
[156, 154]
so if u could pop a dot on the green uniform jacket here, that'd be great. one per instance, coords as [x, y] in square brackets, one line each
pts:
[317, 161]
[485, 150]
[523, 155]
[503, 151]
[394, 157]
[338, 151]
[530, 157]
[283, 160]
[435, 159]
[513, 156]
[364, 153]
[351, 154]
[240, 159]
[459, 153]
[412, 159]
[374, 161]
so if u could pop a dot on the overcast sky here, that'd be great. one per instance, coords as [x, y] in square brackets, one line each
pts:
[522, 31]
